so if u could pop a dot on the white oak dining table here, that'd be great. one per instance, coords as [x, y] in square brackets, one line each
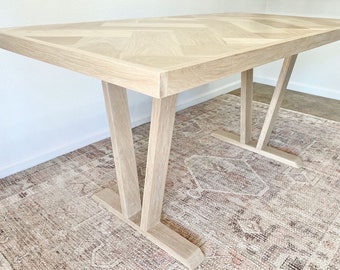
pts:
[162, 57]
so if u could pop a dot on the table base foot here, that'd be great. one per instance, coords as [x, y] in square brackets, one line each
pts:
[174, 244]
[268, 151]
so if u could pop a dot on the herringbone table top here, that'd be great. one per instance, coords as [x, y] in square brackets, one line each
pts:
[164, 56]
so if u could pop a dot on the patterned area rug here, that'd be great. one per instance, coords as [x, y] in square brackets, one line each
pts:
[243, 210]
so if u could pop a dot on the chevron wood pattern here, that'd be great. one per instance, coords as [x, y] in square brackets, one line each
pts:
[164, 56]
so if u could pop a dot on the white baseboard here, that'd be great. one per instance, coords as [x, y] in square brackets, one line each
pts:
[8, 169]
[302, 87]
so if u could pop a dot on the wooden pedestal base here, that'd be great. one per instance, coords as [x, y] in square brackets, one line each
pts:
[268, 151]
[244, 140]
[144, 216]
[170, 241]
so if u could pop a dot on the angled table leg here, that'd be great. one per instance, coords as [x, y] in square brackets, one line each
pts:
[127, 205]
[123, 151]
[162, 122]
[261, 146]
[276, 101]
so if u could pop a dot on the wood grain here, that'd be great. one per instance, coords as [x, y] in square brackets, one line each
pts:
[275, 104]
[244, 140]
[162, 123]
[127, 205]
[174, 244]
[246, 105]
[165, 56]
[269, 152]
[123, 151]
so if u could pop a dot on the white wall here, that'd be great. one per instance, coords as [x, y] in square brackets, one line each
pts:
[46, 111]
[317, 71]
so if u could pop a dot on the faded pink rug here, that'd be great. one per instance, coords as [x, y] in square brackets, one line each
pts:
[243, 210]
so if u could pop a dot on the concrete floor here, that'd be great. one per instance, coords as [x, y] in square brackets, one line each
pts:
[297, 101]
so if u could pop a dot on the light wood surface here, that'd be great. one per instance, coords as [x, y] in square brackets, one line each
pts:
[244, 140]
[267, 151]
[246, 105]
[162, 123]
[164, 56]
[122, 145]
[275, 104]
[170, 241]
[127, 204]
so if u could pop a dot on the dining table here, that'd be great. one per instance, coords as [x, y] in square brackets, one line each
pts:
[161, 58]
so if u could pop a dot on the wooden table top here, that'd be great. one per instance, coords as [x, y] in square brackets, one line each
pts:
[164, 56]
